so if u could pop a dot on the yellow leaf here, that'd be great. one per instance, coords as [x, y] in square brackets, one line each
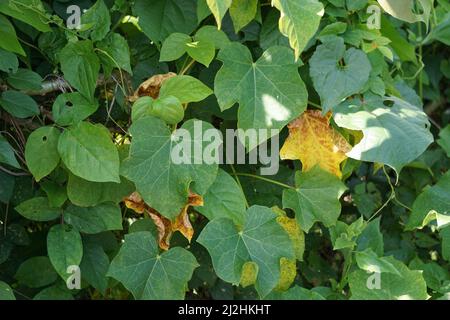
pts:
[288, 272]
[249, 274]
[293, 230]
[314, 142]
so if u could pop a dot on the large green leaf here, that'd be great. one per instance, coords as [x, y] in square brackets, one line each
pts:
[9, 40]
[406, 285]
[64, 248]
[99, 19]
[36, 272]
[224, 199]
[7, 154]
[148, 274]
[162, 183]
[316, 198]
[369, 261]
[393, 135]
[85, 193]
[269, 91]
[432, 203]
[19, 104]
[159, 18]
[104, 217]
[88, 152]
[403, 9]
[116, 53]
[338, 73]
[261, 240]
[444, 139]
[31, 12]
[25, 79]
[94, 266]
[299, 21]
[41, 151]
[80, 66]
[38, 209]
[71, 108]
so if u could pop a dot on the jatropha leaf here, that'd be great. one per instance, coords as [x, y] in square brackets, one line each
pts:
[316, 198]
[148, 274]
[269, 91]
[394, 135]
[299, 21]
[218, 9]
[405, 284]
[338, 73]
[162, 183]
[313, 141]
[261, 240]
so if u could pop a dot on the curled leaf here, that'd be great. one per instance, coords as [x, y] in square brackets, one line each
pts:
[151, 86]
[165, 226]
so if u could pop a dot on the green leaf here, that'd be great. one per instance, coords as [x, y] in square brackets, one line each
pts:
[406, 285]
[224, 199]
[94, 266]
[72, 108]
[371, 238]
[445, 235]
[440, 32]
[344, 236]
[6, 293]
[36, 272]
[162, 183]
[405, 50]
[55, 292]
[80, 66]
[159, 18]
[316, 198]
[64, 248]
[38, 209]
[393, 135]
[201, 51]
[28, 11]
[434, 200]
[242, 12]
[8, 62]
[19, 104]
[369, 261]
[97, 16]
[333, 81]
[9, 40]
[299, 21]
[444, 139]
[7, 154]
[270, 34]
[25, 79]
[218, 9]
[186, 88]
[118, 53]
[154, 276]
[7, 183]
[269, 91]
[41, 151]
[213, 35]
[403, 10]
[295, 293]
[88, 152]
[56, 193]
[104, 217]
[85, 193]
[260, 240]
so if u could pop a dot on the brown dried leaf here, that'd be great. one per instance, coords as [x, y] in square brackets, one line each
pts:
[151, 86]
[165, 227]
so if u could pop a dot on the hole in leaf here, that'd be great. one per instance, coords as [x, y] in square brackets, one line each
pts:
[44, 138]
[69, 104]
[388, 103]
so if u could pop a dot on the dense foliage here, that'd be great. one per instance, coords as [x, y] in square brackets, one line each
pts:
[359, 207]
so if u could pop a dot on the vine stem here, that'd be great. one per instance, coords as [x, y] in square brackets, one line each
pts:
[186, 68]
[266, 180]
[240, 185]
